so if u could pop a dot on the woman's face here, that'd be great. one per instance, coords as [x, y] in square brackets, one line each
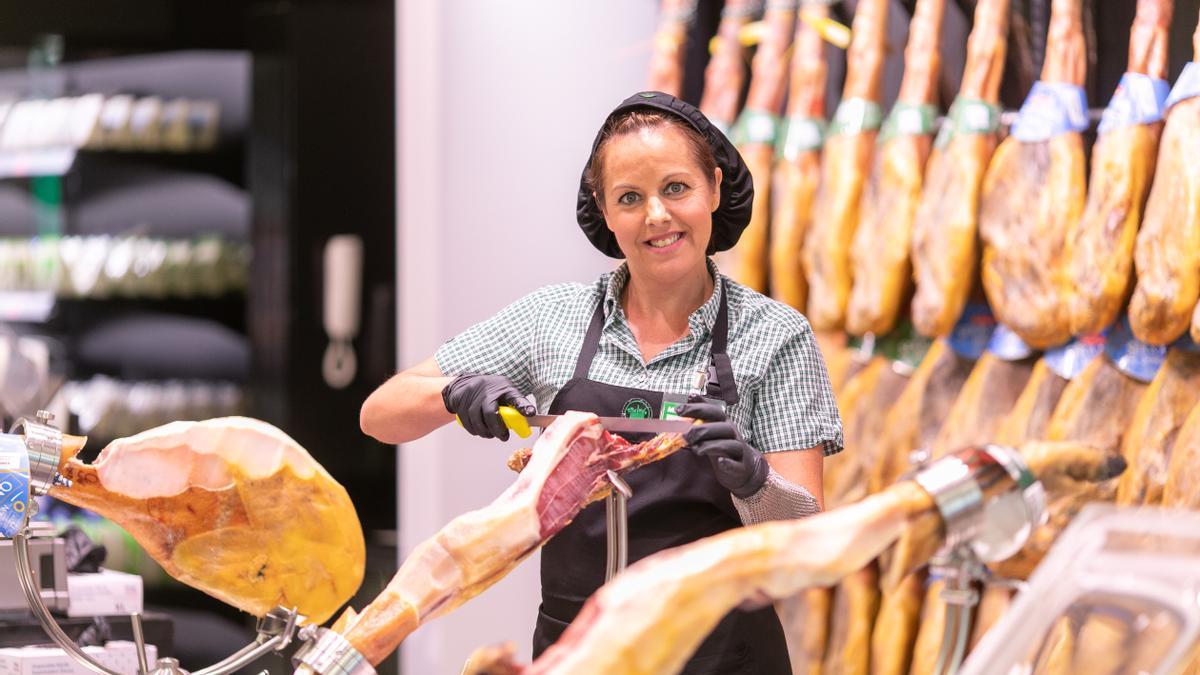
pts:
[658, 201]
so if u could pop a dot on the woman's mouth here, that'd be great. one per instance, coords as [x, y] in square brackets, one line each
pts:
[666, 242]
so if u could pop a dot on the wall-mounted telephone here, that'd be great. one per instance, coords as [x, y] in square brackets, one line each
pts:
[343, 298]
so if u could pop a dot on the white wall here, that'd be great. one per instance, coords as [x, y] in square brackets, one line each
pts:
[498, 103]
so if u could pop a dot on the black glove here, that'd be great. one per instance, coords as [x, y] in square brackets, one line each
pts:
[739, 468]
[476, 399]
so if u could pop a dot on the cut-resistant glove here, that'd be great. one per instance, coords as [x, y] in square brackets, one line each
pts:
[476, 399]
[739, 468]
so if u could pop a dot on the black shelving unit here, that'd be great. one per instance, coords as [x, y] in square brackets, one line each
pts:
[315, 157]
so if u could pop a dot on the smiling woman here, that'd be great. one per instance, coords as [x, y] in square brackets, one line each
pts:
[665, 334]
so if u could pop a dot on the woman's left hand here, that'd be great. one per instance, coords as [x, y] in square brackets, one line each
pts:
[739, 468]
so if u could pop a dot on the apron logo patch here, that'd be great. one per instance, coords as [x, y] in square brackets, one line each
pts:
[637, 408]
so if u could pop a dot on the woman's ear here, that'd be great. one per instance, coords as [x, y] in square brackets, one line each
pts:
[716, 199]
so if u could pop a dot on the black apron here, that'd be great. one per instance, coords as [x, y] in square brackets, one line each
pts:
[675, 501]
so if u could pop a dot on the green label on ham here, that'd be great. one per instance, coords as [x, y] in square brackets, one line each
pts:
[855, 116]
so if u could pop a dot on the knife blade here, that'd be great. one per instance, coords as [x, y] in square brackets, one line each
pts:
[627, 425]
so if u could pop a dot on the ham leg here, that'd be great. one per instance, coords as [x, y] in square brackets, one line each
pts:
[651, 618]
[231, 506]
[566, 470]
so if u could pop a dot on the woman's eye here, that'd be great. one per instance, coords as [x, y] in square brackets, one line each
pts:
[675, 188]
[628, 198]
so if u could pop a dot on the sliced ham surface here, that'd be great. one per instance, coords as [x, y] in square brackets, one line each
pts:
[565, 470]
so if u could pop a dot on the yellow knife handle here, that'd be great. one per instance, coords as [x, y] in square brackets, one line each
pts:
[512, 419]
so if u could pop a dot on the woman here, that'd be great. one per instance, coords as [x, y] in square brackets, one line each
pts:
[662, 334]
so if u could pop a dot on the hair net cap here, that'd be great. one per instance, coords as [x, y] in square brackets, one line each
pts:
[737, 187]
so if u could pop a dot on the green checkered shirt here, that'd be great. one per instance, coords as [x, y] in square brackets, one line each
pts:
[786, 400]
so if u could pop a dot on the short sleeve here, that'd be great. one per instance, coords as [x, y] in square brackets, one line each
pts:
[794, 407]
[500, 345]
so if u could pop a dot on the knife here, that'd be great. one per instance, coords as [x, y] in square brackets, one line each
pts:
[520, 424]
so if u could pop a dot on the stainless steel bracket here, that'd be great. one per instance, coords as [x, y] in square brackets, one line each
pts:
[616, 511]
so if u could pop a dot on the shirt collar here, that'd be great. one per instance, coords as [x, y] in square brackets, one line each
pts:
[700, 322]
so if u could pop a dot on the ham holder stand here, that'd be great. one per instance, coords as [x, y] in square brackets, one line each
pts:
[987, 497]
[29, 460]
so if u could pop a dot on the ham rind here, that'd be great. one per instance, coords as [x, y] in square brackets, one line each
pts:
[650, 619]
[231, 506]
[1167, 253]
[670, 42]
[1033, 193]
[945, 256]
[1100, 246]
[879, 254]
[566, 470]
[794, 182]
[845, 163]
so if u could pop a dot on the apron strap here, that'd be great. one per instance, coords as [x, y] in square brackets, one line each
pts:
[591, 343]
[722, 386]
[720, 380]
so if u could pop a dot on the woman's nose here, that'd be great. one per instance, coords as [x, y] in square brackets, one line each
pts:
[656, 211]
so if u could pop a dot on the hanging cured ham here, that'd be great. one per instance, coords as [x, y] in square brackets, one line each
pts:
[231, 506]
[1095, 410]
[1167, 253]
[1100, 246]
[651, 618]
[845, 165]
[1172, 394]
[798, 170]
[879, 252]
[755, 135]
[984, 401]
[944, 252]
[564, 472]
[1183, 474]
[1033, 192]
[726, 71]
[670, 46]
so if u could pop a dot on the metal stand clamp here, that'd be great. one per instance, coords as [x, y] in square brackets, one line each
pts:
[616, 512]
[328, 653]
[989, 503]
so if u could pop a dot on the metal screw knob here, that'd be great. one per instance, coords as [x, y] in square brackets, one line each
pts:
[60, 481]
[44, 416]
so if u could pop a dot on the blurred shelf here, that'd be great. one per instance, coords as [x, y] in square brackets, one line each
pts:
[42, 307]
[26, 306]
[226, 160]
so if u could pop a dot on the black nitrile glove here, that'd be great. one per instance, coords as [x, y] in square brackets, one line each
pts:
[476, 399]
[739, 468]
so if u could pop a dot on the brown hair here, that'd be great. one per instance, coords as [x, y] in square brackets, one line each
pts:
[635, 120]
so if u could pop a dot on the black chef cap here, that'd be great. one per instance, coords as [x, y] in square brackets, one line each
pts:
[737, 188]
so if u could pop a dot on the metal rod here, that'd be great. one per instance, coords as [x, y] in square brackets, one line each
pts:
[34, 597]
[243, 657]
[139, 639]
[616, 512]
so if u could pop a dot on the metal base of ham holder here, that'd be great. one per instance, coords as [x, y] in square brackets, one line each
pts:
[990, 503]
[31, 453]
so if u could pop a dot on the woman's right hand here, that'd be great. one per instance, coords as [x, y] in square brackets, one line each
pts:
[476, 399]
